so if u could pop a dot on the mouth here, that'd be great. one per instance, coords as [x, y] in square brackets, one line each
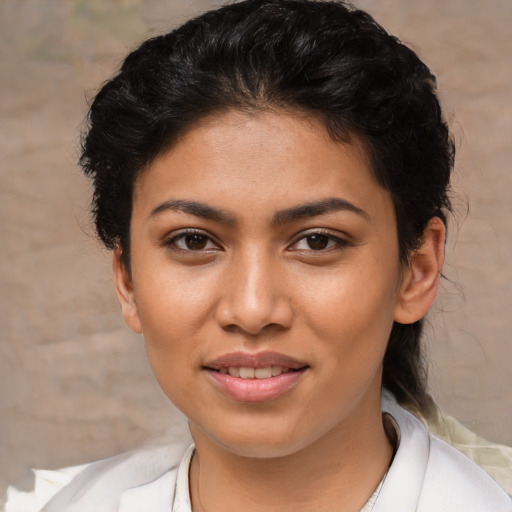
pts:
[247, 372]
[255, 378]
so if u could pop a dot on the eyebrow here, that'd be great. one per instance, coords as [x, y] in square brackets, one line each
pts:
[313, 209]
[328, 205]
[194, 208]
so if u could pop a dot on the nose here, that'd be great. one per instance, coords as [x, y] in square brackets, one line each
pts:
[254, 298]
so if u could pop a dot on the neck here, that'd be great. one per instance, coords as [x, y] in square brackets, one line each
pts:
[340, 471]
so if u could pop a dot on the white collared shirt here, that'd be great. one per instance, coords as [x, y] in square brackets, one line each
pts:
[426, 475]
[182, 502]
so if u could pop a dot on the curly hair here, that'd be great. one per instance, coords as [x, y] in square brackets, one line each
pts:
[324, 58]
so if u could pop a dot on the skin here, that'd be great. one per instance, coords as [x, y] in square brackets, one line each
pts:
[262, 274]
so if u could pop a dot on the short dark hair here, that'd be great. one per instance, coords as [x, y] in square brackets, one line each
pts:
[323, 58]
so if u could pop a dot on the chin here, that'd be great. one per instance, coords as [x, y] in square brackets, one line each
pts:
[264, 451]
[259, 442]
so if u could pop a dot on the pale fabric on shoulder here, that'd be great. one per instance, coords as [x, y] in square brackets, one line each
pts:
[108, 485]
[46, 484]
[426, 475]
[495, 459]
[472, 494]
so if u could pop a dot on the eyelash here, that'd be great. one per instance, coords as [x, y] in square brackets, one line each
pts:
[333, 242]
[173, 241]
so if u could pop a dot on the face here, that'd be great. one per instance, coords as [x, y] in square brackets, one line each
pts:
[265, 279]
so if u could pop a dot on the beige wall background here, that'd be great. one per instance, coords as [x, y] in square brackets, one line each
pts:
[74, 382]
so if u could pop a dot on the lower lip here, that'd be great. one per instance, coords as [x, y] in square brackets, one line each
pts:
[256, 390]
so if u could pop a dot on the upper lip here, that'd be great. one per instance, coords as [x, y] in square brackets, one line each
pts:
[255, 360]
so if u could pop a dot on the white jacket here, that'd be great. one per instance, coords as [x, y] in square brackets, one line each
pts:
[427, 475]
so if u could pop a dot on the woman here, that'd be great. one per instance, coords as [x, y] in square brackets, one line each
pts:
[272, 178]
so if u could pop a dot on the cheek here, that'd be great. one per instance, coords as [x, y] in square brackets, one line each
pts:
[173, 308]
[351, 310]
[173, 300]
[349, 296]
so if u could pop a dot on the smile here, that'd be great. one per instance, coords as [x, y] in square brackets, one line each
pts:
[255, 378]
[245, 372]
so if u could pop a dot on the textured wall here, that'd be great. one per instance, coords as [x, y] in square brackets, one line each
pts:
[74, 382]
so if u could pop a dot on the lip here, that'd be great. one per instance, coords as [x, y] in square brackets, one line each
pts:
[255, 390]
[255, 360]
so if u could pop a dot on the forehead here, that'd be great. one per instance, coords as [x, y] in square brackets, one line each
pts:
[259, 161]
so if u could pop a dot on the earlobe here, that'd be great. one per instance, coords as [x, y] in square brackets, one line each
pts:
[125, 293]
[421, 278]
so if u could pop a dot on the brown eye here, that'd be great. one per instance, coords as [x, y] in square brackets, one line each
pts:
[192, 241]
[317, 242]
[195, 241]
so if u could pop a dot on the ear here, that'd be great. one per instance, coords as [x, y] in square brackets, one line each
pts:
[125, 293]
[421, 278]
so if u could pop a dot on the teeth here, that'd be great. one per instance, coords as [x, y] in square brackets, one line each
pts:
[276, 370]
[254, 373]
[246, 373]
[263, 373]
[234, 371]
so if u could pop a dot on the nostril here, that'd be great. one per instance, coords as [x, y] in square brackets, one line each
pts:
[249, 333]
[254, 311]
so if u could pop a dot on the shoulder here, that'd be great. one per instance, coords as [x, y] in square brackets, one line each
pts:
[452, 479]
[108, 485]
[495, 459]
[428, 474]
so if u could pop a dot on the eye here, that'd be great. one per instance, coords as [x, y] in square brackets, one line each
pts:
[318, 241]
[192, 241]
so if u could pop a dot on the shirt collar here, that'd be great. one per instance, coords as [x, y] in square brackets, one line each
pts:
[182, 490]
[182, 501]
